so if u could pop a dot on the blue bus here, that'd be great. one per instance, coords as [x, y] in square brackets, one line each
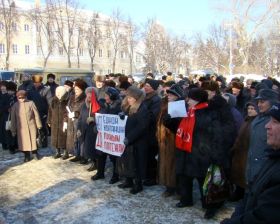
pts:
[7, 75]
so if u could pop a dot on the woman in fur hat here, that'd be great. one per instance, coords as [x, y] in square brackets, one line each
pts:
[56, 117]
[25, 121]
[74, 105]
[166, 140]
[132, 164]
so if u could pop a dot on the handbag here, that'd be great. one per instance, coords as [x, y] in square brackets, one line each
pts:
[8, 123]
[216, 187]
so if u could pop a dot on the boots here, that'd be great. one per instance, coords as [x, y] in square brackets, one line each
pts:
[114, 179]
[127, 184]
[27, 157]
[83, 161]
[36, 155]
[92, 167]
[65, 154]
[57, 154]
[75, 159]
[137, 187]
[97, 176]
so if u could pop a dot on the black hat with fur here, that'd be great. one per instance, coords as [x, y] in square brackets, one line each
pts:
[81, 84]
[198, 94]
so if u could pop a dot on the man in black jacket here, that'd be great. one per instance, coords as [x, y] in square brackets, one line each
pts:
[262, 204]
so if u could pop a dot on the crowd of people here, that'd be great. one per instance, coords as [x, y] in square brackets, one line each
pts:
[225, 125]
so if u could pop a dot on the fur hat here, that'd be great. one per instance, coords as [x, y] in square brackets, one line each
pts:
[275, 112]
[176, 90]
[81, 84]
[210, 85]
[153, 83]
[198, 94]
[237, 85]
[11, 86]
[51, 76]
[37, 78]
[124, 85]
[68, 83]
[113, 93]
[135, 92]
[99, 78]
[110, 83]
[21, 93]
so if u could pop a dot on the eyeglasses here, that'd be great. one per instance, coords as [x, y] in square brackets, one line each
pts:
[20, 98]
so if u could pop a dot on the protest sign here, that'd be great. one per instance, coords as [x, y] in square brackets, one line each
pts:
[111, 133]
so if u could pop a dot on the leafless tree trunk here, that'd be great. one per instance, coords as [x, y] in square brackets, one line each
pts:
[93, 38]
[65, 14]
[8, 13]
[131, 35]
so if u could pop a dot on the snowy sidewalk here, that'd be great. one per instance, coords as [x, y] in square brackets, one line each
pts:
[57, 191]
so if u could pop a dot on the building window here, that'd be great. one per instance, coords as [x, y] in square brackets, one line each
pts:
[15, 49]
[60, 50]
[26, 27]
[27, 50]
[123, 71]
[2, 48]
[81, 51]
[109, 71]
[100, 53]
[108, 53]
[1, 26]
[14, 26]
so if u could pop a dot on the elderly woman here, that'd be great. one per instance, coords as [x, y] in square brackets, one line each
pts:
[25, 121]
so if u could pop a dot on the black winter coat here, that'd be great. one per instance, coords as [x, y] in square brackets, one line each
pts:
[262, 204]
[136, 132]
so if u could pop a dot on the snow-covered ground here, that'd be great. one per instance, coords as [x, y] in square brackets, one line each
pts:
[57, 191]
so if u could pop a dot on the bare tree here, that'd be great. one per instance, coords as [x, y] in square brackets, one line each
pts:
[80, 40]
[115, 27]
[93, 38]
[65, 14]
[131, 38]
[43, 20]
[9, 15]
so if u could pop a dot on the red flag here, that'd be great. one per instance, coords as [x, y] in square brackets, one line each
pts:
[94, 104]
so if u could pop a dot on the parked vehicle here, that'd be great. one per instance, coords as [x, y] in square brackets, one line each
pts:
[61, 75]
[7, 75]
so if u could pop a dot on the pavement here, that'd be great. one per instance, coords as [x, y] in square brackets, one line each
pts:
[56, 191]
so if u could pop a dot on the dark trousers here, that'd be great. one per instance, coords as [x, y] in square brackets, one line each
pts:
[101, 162]
[186, 188]
[152, 164]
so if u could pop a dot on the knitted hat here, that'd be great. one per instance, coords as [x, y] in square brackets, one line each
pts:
[81, 84]
[124, 85]
[275, 112]
[134, 92]
[198, 94]
[99, 78]
[51, 76]
[37, 78]
[11, 86]
[21, 93]
[176, 90]
[153, 83]
[113, 93]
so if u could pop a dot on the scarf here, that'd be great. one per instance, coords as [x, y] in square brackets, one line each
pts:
[184, 135]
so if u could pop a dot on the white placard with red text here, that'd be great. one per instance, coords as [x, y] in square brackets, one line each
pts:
[111, 133]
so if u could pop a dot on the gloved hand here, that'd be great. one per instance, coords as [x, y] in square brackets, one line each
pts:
[79, 134]
[90, 119]
[64, 126]
[125, 141]
[122, 115]
[71, 115]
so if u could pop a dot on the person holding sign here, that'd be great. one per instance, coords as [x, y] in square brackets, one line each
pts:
[112, 105]
[132, 164]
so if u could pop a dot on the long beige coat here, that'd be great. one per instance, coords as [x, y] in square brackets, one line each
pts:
[24, 122]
